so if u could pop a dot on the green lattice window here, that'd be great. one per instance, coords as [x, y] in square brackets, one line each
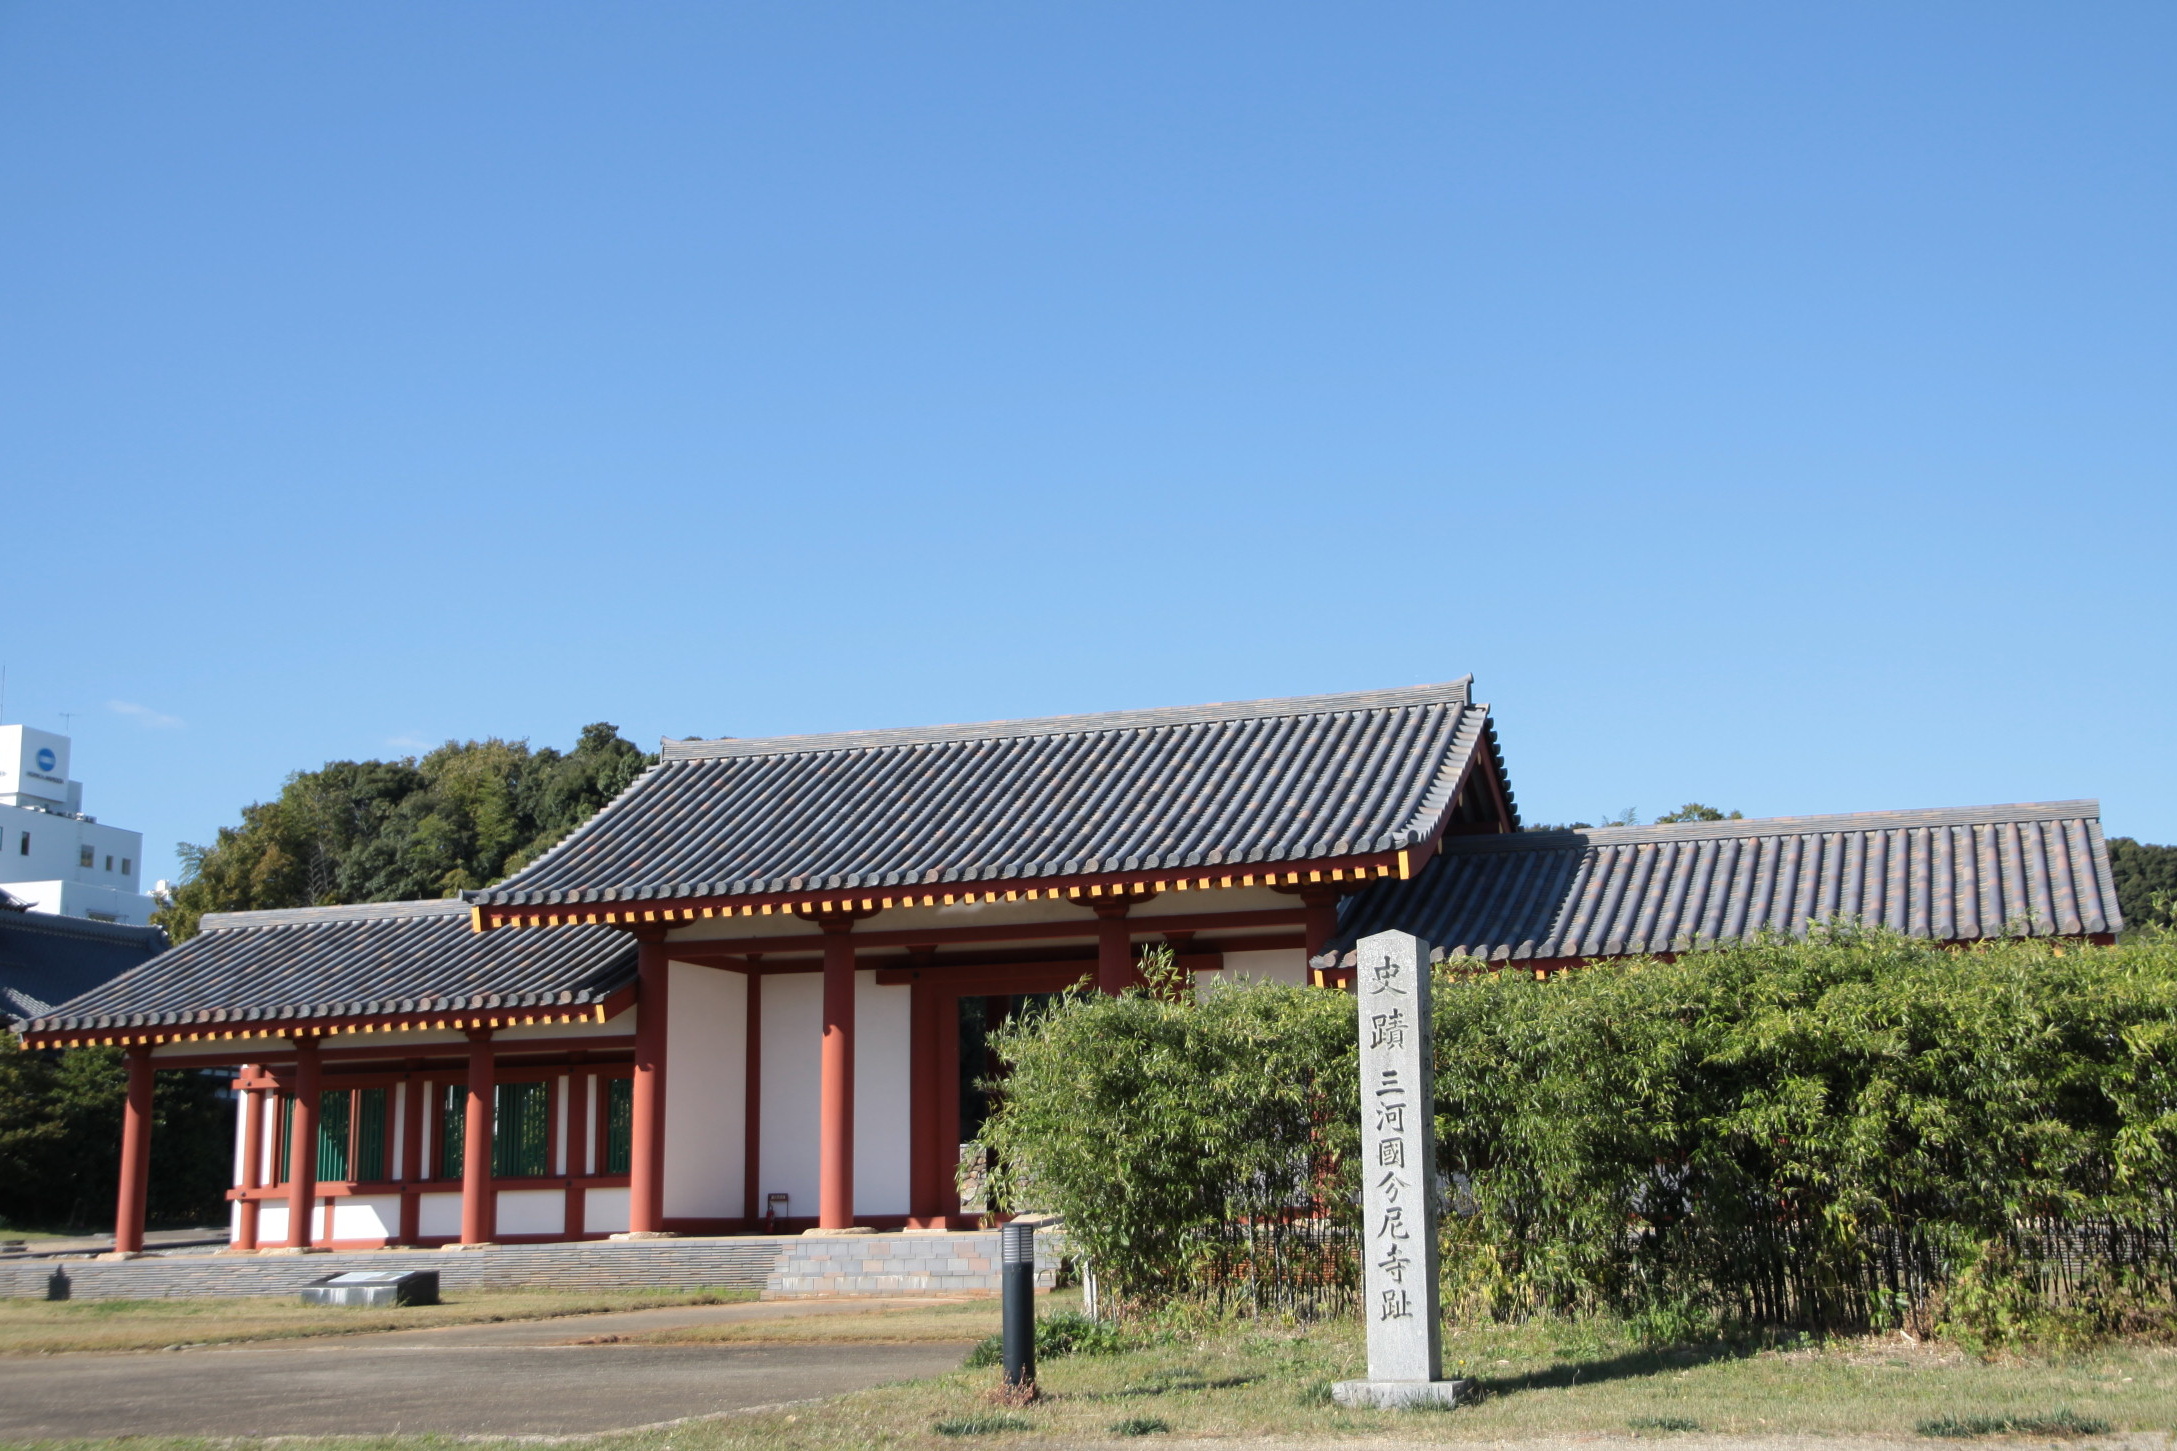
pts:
[619, 1124]
[351, 1133]
[453, 1119]
[521, 1131]
[370, 1135]
[521, 1137]
[332, 1134]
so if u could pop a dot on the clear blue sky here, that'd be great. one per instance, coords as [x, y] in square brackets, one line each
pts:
[1772, 405]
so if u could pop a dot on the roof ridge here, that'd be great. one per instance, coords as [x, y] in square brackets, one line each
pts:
[1453, 692]
[60, 926]
[344, 912]
[2087, 808]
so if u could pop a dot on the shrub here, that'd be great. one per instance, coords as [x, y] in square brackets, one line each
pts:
[1065, 1333]
[1149, 1117]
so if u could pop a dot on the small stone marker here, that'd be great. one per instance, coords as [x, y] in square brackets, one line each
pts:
[1398, 1177]
[374, 1287]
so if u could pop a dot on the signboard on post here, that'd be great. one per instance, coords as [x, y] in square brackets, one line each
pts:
[1398, 1179]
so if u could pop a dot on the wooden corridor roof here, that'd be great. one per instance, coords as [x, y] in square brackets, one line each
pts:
[378, 965]
[1221, 790]
[2038, 869]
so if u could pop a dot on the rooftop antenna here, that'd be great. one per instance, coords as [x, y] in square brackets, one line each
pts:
[66, 717]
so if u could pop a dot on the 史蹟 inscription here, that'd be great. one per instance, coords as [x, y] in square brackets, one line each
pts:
[1399, 1194]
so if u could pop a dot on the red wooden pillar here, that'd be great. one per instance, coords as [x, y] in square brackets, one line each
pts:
[752, 1098]
[128, 1219]
[253, 1158]
[835, 1112]
[1320, 925]
[646, 1149]
[302, 1145]
[478, 1200]
[411, 1158]
[574, 1166]
[1115, 971]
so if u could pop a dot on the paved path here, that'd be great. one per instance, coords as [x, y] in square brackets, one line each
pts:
[508, 1378]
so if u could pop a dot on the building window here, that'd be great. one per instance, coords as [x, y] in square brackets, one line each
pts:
[521, 1131]
[127, 866]
[351, 1132]
[619, 1124]
[109, 863]
[453, 1119]
[521, 1140]
[86, 857]
[24, 849]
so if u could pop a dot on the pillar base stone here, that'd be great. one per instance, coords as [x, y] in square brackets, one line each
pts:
[1399, 1395]
[627, 1234]
[123, 1254]
[828, 1233]
[474, 1244]
[296, 1249]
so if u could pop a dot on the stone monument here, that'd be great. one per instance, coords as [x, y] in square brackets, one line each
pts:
[1398, 1177]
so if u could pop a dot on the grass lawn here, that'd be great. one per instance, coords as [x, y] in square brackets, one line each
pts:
[1547, 1381]
[33, 1327]
[1546, 1385]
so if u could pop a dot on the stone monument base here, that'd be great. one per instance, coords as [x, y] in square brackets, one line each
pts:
[1396, 1395]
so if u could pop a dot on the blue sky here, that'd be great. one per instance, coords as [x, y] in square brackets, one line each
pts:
[1774, 406]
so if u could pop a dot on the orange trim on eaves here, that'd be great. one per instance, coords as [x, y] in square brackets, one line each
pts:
[1347, 870]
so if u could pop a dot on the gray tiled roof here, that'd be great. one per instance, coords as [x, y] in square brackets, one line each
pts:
[1218, 785]
[46, 958]
[1948, 875]
[376, 959]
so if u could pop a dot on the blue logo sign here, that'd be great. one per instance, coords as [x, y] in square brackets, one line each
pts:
[46, 759]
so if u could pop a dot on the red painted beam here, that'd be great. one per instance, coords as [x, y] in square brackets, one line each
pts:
[1084, 929]
[1079, 891]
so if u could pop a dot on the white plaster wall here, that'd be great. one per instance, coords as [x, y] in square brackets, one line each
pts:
[1282, 964]
[706, 1088]
[883, 1028]
[241, 1142]
[272, 1222]
[604, 1211]
[367, 1216]
[438, 1216]
[532, 1211]
[793, 1041]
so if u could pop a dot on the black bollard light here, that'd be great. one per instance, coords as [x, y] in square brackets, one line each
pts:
[1017, 1289]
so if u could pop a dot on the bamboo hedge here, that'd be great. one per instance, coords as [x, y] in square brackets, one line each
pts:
[1847, 1130]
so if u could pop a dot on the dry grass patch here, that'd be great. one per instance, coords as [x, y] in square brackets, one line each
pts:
[44, 1327]
[1543, 1383]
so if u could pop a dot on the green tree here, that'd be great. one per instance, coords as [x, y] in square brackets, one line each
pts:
[1695, 811]
[463, 816]
[2146, 878]
[60, 1125]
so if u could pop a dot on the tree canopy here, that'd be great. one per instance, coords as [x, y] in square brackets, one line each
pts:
[2146, 878]
[461, 817]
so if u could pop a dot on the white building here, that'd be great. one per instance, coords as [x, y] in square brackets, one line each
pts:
[52, 856]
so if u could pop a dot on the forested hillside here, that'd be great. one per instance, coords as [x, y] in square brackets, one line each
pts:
[2146, 881]
[387, 831]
